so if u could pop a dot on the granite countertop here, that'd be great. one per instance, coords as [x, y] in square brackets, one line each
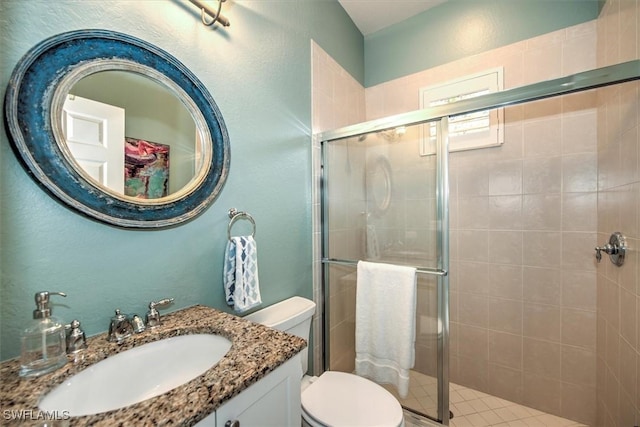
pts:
[255, 351]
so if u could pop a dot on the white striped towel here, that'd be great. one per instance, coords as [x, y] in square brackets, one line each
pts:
[241, 285]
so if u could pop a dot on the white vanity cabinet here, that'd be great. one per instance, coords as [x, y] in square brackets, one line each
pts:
[272, 401]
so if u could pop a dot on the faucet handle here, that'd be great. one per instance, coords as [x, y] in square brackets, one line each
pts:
[76, 339]
[152, 319]
[615, 248]
[161, 303]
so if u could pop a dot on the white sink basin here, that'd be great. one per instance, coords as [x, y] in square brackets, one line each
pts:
[137, 374]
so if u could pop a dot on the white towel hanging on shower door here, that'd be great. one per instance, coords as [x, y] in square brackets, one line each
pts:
[385, 323]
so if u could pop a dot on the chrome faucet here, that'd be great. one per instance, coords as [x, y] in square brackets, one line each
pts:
[120, 327]
[138, 324]
[152, 318]
[123, 326]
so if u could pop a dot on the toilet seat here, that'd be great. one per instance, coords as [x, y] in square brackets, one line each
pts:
[342, 399]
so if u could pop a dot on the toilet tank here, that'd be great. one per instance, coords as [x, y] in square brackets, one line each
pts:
[292, 315]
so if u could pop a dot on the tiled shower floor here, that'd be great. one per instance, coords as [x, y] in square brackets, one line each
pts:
[472, 408]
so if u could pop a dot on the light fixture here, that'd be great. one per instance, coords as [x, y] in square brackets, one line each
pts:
[214, 15]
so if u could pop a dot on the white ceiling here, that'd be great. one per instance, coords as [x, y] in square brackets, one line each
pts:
[373, 15]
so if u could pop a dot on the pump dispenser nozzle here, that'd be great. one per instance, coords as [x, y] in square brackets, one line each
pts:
[43, 310]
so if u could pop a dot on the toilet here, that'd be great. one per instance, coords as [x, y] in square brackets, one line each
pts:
[333, 398]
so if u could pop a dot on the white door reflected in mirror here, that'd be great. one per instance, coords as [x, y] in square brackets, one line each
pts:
[94, 132]
[162, 147]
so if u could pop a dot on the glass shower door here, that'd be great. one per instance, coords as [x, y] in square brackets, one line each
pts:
[385, 200]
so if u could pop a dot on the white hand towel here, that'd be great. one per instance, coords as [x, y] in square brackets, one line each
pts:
[241, 285]
[385, 323]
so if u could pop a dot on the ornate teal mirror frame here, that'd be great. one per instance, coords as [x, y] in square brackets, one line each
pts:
[32, 106]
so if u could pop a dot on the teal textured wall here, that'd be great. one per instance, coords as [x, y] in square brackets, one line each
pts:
[258, 71]
[460, 28]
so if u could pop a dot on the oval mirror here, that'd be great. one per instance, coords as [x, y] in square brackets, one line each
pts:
[117, 129]
[378, 185]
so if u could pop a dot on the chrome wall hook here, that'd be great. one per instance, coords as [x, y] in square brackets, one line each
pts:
[616, 249]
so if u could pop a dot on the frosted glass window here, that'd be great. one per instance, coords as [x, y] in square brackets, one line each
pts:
[468, 131]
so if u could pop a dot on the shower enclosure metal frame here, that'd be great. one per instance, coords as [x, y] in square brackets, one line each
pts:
[593, 79]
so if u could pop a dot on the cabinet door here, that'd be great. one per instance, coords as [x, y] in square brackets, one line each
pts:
[274, 401]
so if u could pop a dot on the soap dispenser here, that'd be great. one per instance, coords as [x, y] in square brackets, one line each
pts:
[43, 342]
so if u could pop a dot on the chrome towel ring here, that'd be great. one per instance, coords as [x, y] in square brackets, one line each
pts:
[235, 215]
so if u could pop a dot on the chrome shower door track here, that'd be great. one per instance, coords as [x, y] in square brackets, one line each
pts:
[599, 77]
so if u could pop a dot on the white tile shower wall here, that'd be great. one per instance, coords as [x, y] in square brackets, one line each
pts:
[337, 100]
[618, 303]
[618, 288]
[523, 228]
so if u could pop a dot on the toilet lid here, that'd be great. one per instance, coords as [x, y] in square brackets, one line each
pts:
[339, 399]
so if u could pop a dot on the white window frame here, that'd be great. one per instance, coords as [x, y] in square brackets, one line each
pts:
[463, 88]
